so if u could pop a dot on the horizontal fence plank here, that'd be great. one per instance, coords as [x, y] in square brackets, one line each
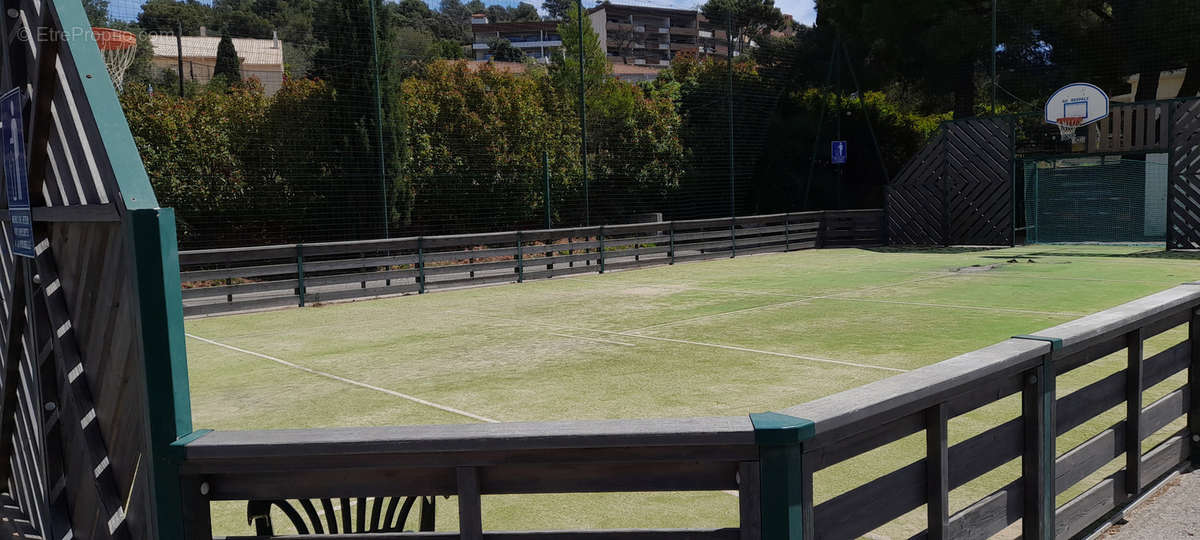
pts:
[368, 292]
[241, 305]
[240, 272]
[1094, 504]
[610, 534]
[358, 277]
[238, 289]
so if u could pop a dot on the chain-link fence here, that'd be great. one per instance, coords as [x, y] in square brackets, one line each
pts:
[270, 121]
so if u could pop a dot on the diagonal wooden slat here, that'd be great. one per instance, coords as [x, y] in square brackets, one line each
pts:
[69, 364]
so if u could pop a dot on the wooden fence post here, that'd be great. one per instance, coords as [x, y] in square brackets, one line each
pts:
[470, 519]
[937, 471]
[300, 273]
[1133, 413]
[671, 242]
[420, 265]
[520, 259]
[1037, 460]
[785, 484]
[732, 236]
[787, 222]
[1193, 416]
[602, 249]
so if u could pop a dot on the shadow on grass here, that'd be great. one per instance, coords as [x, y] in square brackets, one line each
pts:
[1144, 254]
[1041, 251]
[935, 250]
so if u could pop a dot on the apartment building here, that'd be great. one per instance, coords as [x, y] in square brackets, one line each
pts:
[644, 36]
[629, 35]
[538, 40]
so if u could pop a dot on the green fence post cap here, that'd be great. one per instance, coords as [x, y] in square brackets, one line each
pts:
[772, 428]
[190, 437]
[1056, 344]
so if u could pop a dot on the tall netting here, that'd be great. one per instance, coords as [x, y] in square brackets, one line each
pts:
[264, 121]
[1101, 200]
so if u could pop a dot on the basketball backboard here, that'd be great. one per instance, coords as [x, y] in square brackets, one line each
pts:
[1084, 101]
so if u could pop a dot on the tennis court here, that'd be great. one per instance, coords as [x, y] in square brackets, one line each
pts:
[715, 338]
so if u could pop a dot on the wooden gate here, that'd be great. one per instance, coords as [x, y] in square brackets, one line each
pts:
[1183, 194]
[86, 422]
[958, 190]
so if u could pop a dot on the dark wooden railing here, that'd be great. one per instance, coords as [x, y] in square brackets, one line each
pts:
[771, 458]
[237, 279]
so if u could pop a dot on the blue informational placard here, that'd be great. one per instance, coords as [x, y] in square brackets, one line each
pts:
[16, 173]
[837, 150]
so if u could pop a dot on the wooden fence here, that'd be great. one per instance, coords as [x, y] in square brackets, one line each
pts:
[770, 458]
[227, 280]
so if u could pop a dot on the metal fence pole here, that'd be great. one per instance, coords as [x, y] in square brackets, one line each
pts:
[379, 118]
[587, 208]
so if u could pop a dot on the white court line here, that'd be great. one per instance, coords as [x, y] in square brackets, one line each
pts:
[594, 339]
[394, 393]
[685, 342]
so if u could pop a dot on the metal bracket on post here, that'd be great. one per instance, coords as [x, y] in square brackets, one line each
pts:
[1040, 445]
[780, 439]
[300, 273]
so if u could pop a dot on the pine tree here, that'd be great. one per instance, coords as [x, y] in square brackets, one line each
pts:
[228, 65]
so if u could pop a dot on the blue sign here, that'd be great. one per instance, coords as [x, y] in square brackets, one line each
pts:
[838, 152]
[16, 173]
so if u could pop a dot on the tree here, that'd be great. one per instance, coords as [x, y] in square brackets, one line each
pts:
[504, 51]
[937, 42]
[525, 12]
[748, 19]
[557, 9]
[164, 15]
[228, 65]
[97, 12]
[476, 6]
[364, 121]
[497, 13]
[565, 68]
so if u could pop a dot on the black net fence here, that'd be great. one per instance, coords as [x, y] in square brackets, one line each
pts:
[279, 121]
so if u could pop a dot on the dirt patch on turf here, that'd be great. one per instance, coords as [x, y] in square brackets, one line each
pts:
[976, 268]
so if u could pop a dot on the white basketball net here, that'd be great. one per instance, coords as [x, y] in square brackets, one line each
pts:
[118, 60]
[1067, 127]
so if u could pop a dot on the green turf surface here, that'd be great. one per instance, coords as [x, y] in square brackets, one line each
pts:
[722, 337]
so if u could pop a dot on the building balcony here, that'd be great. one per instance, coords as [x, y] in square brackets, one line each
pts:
[683, 31]
[707, 34]
[538, 44]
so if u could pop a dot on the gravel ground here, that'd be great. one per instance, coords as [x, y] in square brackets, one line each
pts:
[1172, 512]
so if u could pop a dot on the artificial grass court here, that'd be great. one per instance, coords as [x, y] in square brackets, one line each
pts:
[716, 338]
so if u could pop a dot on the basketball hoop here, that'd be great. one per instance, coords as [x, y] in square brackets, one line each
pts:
[118, 48]
[1067, 126]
